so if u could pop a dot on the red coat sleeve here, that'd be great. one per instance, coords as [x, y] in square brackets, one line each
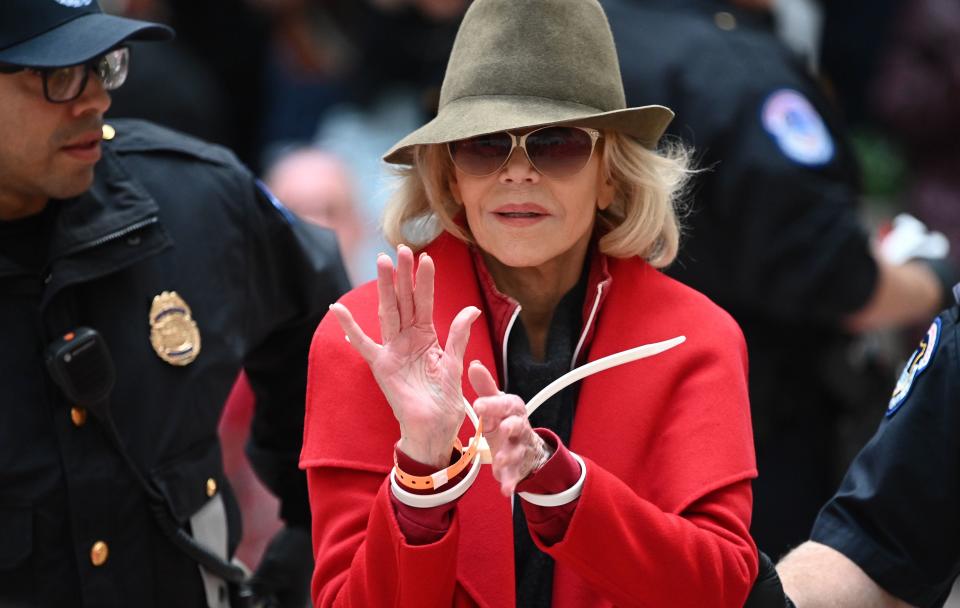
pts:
[365, 559]
[362, 556]
[703, 552]
[699, 544]
[664, 515]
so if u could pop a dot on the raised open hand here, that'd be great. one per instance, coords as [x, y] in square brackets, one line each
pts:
[420, 380]
[515, 449]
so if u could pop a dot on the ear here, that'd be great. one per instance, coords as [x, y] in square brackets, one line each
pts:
[454, 188]
[605, 192]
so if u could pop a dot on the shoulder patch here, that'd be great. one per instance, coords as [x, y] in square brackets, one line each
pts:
[797, 128]
[918, 362]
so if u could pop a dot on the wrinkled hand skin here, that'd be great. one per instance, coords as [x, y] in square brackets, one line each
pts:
[516, 450]
[420, 380]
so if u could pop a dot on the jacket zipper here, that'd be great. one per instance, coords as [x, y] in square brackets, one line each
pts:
[112, 236]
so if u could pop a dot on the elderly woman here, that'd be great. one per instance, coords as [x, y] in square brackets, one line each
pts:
[540, 212]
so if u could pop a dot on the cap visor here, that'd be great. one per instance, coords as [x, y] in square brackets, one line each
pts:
[82, 39]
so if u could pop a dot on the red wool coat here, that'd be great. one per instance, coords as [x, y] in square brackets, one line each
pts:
[664, 514]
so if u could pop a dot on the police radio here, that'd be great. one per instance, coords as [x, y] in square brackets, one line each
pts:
[81, 365]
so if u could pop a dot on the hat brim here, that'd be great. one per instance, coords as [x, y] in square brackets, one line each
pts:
[478, 115]
[80, 40]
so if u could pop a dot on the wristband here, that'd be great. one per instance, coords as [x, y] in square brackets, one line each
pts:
[426, 501]
[441, 477]
[561, 498]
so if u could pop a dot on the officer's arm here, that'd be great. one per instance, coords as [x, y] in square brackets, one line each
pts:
[294, 274]
[903, 294]
[815, 576]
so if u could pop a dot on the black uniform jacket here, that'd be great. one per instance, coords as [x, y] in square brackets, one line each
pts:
[772, 232]
[774, 240]
[165, 213]
[897, 512]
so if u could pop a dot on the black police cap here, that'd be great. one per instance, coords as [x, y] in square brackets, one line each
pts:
[57, 33]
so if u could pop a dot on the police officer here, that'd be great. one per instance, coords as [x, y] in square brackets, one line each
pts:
[890, 536]
[773, 234]
[139, 271]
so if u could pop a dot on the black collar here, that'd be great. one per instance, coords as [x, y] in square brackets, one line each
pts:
[115, 205]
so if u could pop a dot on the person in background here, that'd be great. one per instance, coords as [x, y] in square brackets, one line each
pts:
[140, 270]
[537, 199]
[774, 236]
[318, 187]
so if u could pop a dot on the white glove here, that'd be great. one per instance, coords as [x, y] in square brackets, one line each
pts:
[911, 239]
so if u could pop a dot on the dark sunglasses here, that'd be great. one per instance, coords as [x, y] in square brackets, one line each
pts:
[553, 151]
[61, 85]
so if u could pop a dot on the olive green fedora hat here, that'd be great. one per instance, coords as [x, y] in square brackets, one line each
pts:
[529, 63]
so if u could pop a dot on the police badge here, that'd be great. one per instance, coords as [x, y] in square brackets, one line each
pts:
[173, 332]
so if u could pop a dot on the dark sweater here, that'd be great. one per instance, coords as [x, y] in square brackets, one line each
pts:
[527, 376]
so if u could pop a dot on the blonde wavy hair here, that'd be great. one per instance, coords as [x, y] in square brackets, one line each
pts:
[643, 219]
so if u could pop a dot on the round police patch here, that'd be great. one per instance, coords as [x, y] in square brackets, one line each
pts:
[797, 128]
[919, 361]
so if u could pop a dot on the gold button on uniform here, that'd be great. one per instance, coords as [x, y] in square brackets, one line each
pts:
[99, 553]
[725, 21]
[211, 487]
[78, 415]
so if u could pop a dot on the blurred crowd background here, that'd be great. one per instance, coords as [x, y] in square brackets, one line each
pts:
[311, 93]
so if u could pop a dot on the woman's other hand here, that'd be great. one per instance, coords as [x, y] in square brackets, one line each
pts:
[421, 380]
[515, 449]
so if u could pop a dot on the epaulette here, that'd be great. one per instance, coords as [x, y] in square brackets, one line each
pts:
[131, 136]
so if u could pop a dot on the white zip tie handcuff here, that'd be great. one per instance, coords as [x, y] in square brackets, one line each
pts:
[426, 501]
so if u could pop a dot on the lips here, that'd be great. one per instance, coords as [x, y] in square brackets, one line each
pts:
[521, 210]
[86, 141]
[85, 148]
[520, 215]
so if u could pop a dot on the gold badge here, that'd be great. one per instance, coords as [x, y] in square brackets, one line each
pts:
[173, 332]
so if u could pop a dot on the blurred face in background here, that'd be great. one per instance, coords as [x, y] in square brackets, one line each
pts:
[317, 187]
